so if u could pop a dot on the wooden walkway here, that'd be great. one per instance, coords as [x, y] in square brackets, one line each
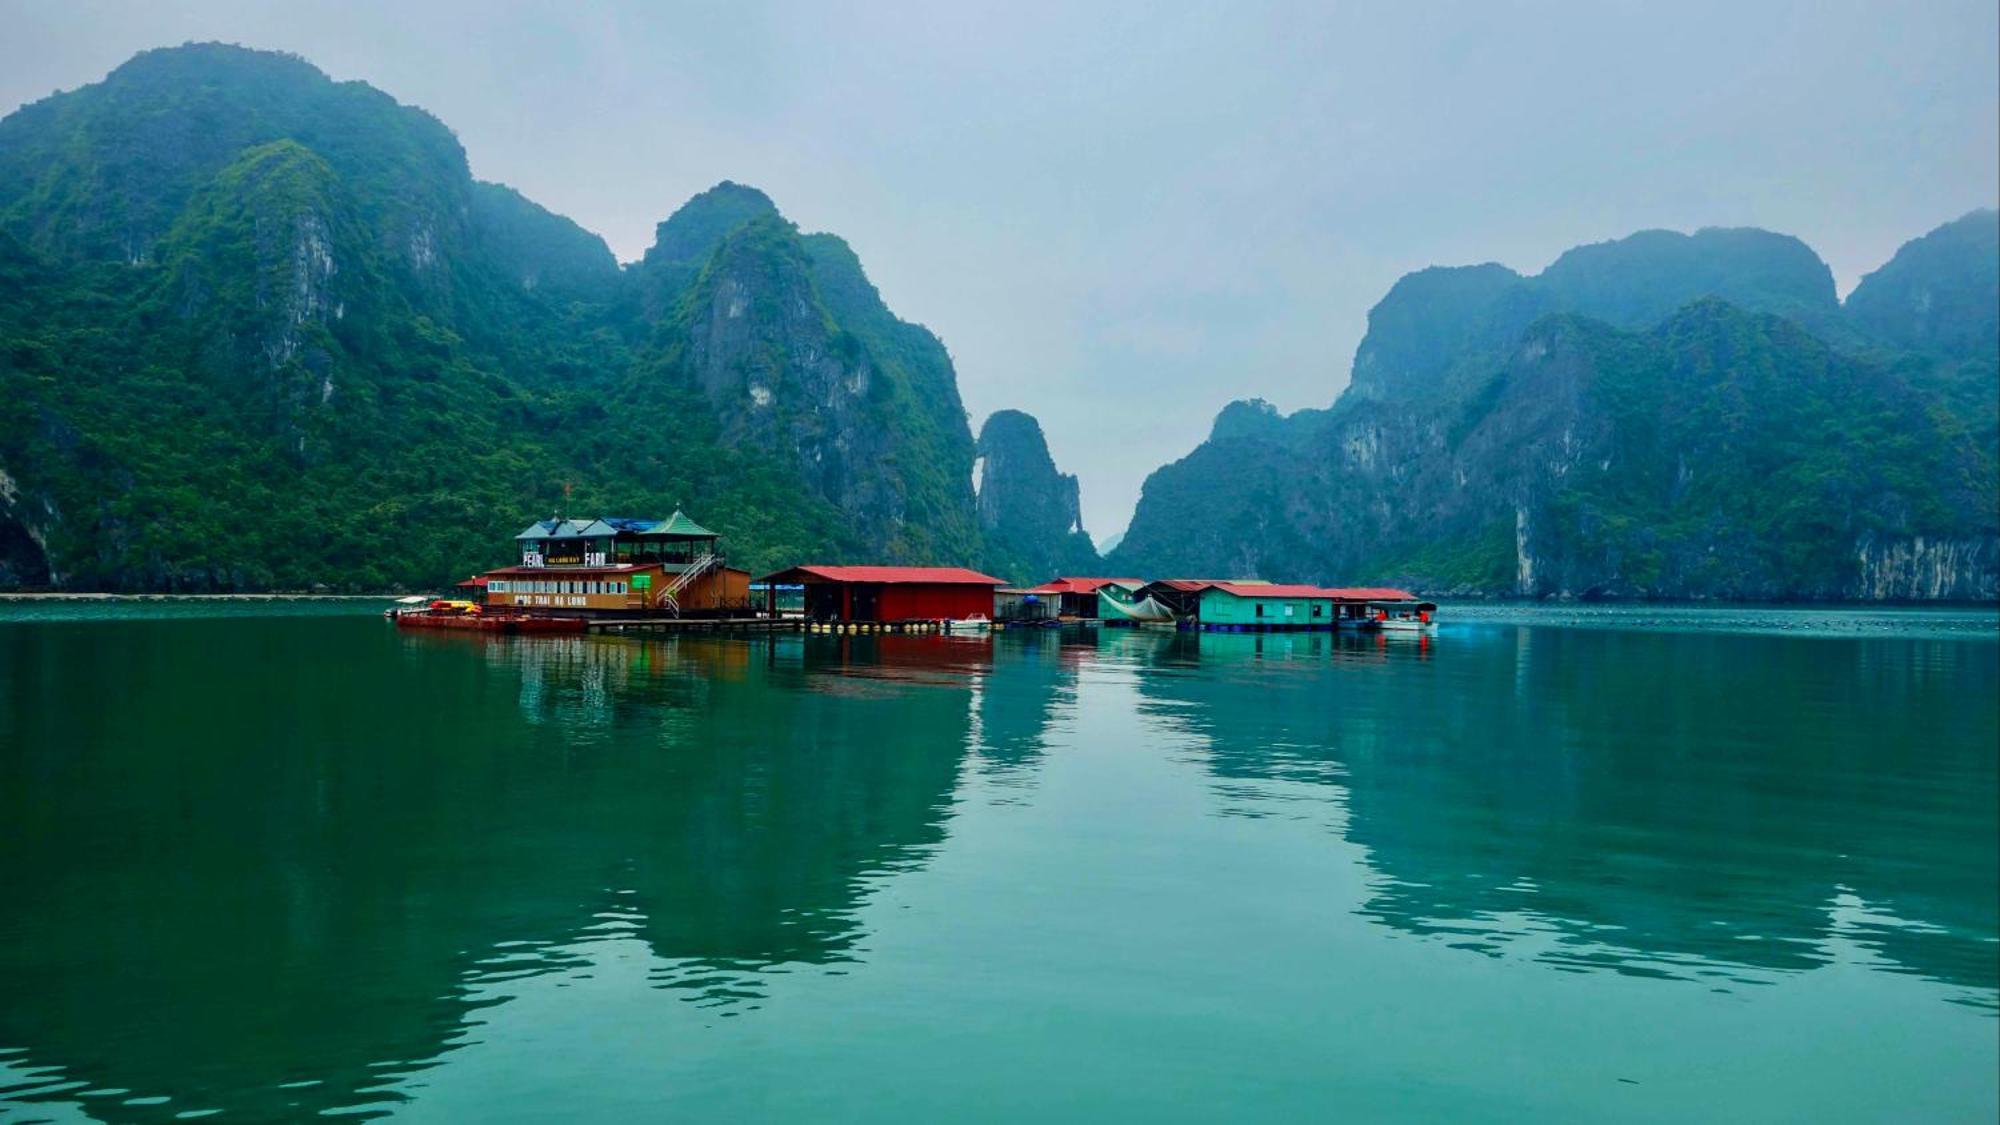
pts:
[682, 625]
[697, 625]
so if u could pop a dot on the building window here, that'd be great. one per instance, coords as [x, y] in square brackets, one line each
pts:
[1316, 610]
[1260, 609]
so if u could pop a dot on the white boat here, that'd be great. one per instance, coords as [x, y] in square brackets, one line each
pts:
[1410, 618]
[412, 604]
[977, 623]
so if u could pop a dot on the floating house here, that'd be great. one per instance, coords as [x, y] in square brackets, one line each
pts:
[1264, 606]
[890, 593]
[1025, 606]
[1077, 598]
[619, 566]
[1383, 607]
[1120, 604]
[1183, 595]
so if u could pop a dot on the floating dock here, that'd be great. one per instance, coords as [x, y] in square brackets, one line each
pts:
[682, 625]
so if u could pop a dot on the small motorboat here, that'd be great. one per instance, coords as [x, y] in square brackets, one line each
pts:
[1408, 618]
[412, 604]
[977, 623]
[444, 613]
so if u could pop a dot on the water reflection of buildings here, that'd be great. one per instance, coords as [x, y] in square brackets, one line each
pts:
[318, 891]
[1654, 803]
[1015, 717]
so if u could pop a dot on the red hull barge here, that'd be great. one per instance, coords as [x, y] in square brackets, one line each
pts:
[495, 623]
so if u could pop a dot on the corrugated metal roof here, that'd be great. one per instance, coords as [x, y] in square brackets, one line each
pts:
[1270, 590]
[557, 529]
[538, 530]
[1068, 585]
[935, 575]
[1192, 584]
[1372, 594]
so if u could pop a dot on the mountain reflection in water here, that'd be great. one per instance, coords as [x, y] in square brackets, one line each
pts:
[275, 861]
[1680, 804]
[276, 866]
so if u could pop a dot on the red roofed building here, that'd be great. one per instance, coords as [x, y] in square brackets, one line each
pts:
[890, 593]
[1255, 605]
[1371, 594]
[1183, 595]
[1077, 597]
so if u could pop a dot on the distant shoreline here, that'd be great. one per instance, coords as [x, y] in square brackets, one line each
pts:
[97, 597]
[1447, 600]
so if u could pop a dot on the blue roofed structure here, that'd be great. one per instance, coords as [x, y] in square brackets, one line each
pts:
[612, 540]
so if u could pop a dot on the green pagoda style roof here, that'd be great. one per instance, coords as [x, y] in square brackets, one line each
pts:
[554, 529]
[680, 524]
[676, 526]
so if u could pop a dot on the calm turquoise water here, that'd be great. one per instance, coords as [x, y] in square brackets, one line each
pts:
[1575, 863]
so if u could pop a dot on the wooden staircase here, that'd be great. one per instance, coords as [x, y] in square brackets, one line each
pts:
[669, 597]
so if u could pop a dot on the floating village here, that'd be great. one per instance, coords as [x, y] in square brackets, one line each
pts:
[672, 575]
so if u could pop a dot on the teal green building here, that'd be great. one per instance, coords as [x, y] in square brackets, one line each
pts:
[1237, 606]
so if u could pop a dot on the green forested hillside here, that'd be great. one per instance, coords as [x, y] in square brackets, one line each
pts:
[1663, 416]
[259, 329]
[1934, 311]
[1032, 513]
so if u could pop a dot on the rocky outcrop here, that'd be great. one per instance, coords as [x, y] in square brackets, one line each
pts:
[794, 351]
[537, 249]
[1030, 511]
[1917, 568]
[24, 554]
[175, 116]
[684, 242]
[779, 374]
[1437, 332]
[1665, 415]
[1940, 294]
[254, 257]
[1640, 280]
[1719, 454]
[256, 324]
[1432, 321]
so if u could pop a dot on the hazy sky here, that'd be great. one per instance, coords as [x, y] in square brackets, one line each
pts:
[1121, 218]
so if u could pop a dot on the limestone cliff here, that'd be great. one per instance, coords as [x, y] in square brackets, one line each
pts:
[262, 329]
[1030, 511]
[1718, 454]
